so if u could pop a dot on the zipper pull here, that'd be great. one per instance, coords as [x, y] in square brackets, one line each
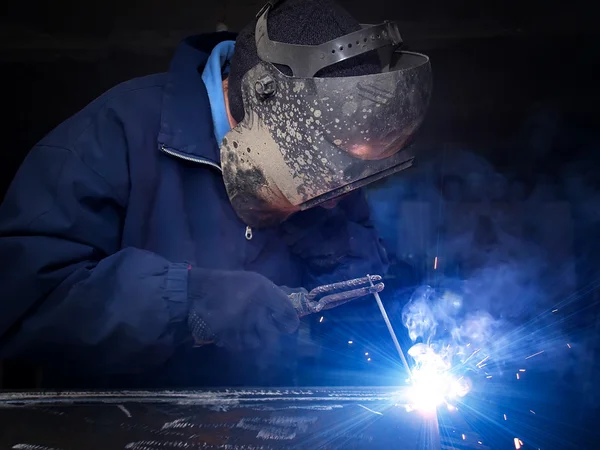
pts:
[248, 233]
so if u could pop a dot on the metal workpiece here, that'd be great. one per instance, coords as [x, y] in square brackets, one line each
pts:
[322, 418]
[331, 295]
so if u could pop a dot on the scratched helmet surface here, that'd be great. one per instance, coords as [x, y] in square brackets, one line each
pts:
[305, 139]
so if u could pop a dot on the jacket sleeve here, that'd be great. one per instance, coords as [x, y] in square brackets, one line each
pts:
[337, 244]
[69, 296]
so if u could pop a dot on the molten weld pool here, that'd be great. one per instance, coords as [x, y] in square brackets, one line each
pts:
[320, 418]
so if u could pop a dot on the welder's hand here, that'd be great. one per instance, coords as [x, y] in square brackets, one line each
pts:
[238, 310]
[299, 299]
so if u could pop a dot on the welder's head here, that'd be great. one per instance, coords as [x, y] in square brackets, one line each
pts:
[323, 106]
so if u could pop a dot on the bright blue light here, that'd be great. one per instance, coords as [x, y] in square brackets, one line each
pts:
[433, 384]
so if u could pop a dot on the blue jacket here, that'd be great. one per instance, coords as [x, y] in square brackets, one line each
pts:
[107, 211]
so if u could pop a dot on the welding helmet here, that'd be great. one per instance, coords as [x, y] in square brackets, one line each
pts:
[305, 140]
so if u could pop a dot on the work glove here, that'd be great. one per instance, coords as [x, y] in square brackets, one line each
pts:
[238, 310]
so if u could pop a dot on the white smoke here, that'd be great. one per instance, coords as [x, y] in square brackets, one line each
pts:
[437, 323]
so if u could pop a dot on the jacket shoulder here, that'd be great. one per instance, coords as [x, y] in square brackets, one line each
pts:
[135, 103]
[104, 134]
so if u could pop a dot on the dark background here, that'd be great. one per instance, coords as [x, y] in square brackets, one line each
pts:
[515, 99]
[501, 69]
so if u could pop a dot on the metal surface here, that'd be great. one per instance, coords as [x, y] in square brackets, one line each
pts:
[334, 294]
[321, 418]
[392, 333]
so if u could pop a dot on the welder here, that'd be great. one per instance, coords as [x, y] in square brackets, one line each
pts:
[186, 206]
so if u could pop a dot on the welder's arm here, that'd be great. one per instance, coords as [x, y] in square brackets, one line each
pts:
[68, 295]
[336, 244]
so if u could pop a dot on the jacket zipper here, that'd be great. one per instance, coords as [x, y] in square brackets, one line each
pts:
[168, 151]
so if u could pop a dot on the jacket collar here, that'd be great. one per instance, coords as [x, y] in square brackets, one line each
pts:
[186, 127]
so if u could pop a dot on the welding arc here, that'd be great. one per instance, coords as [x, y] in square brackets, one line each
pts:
[392, 333]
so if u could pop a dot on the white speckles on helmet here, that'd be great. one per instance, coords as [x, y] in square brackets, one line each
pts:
[309, 140]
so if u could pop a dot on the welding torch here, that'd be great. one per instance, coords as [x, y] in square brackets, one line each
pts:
[318, 299]
[335, 294]
[332, 295]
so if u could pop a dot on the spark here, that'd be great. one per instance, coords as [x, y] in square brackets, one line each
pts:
[488, 377]
[518, 377]
[480, 443]
[370, 410]
[464, 437]
[479, 364]
[125, 410]
[535, 354]
[472, 354]
[350, 342]
[321, 319]
[366, 353]
[532, 411]
[521, 370]
[435, 263]
[517, 443]
[568, 345]
[554, 310]
[505, 417]
[368, 359]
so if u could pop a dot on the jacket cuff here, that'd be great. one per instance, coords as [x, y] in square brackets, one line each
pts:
[176, 292]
